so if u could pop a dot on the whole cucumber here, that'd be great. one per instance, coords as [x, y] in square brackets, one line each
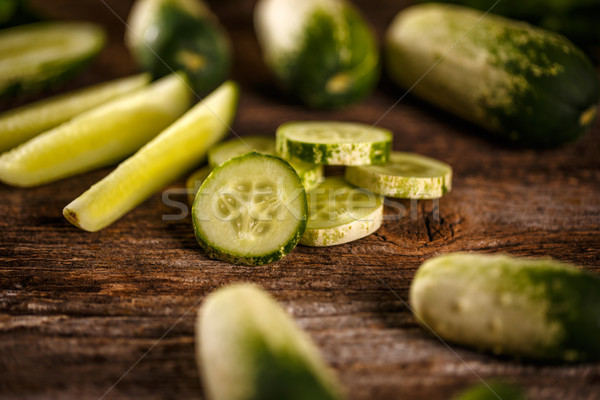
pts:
[172, 35]
[526, 85]
[249, 348]
[576, 19]
[533, 308]
[322, 52]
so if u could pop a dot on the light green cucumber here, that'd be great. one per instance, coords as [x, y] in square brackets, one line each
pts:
[340, 213]
[525, 85]
[407, 176]
[99, 137]
[21, 124]
[310, 174]
[333, 143]
[36, 56]
[179, 35]
[248, 347]
[322, 52]
[169, 155]
[532, 308]
[194, 181]
[250, 210]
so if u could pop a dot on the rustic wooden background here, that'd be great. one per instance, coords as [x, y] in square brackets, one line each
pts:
[110, 315]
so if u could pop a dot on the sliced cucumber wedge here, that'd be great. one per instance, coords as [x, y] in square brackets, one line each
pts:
[172, 153]
[249, 348]
[340, 213]
[250, 210]
[21, 124]
[194, 181]
[310, 174]
[333, 143]
[35, 56]
[97, 138]
[406, 176]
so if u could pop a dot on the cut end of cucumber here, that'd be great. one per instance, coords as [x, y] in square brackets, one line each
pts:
[250, 210]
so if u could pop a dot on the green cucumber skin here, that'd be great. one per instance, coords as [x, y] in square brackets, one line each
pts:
[565, 298]
[179, 31]
[51, 76]
[321, 153]
[305, 73]
[537, 89]
[248, 347]
[215, 252]
[576, 19]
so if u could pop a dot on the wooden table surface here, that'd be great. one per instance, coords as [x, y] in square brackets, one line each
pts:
[110, 314]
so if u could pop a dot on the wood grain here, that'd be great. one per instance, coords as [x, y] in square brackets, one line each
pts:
[111, 314]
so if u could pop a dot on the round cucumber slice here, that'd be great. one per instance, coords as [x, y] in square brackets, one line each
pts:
[194, 182]
[35, 56]
[334, 143]
[341, 213]
[250, 210]
[407, 176]
[23, 123]
[310, 174]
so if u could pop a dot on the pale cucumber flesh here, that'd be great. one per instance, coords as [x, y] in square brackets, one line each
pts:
[21, 124]
[340, 213]
[96, 138]
[173, 152]
[251, 209]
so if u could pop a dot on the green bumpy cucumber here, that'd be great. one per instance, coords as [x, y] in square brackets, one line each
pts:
[248, 348]
[533, 308]
[322, 52]
[172, 35]
[576, 19]
[527, 86]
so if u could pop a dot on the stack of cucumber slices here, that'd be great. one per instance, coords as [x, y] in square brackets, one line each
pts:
[260, 196]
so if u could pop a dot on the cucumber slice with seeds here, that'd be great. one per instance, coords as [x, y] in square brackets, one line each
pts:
[340, 213]
[194, 181]
[97, 138]
[165, 158]
[407, 176]
[21, 124]
[36, 56]
[250, 210]
[310, 174]
[333, 143]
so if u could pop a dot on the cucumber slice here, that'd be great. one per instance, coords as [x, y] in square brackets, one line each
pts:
[340, 213]
[194, 181]
[249, 348]
[310, 174]
[333, 143]
[39, 55]
[97, 138]
[535, 308]
[407, 176]
[250, 210]
[173, 152]
[23, 123]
